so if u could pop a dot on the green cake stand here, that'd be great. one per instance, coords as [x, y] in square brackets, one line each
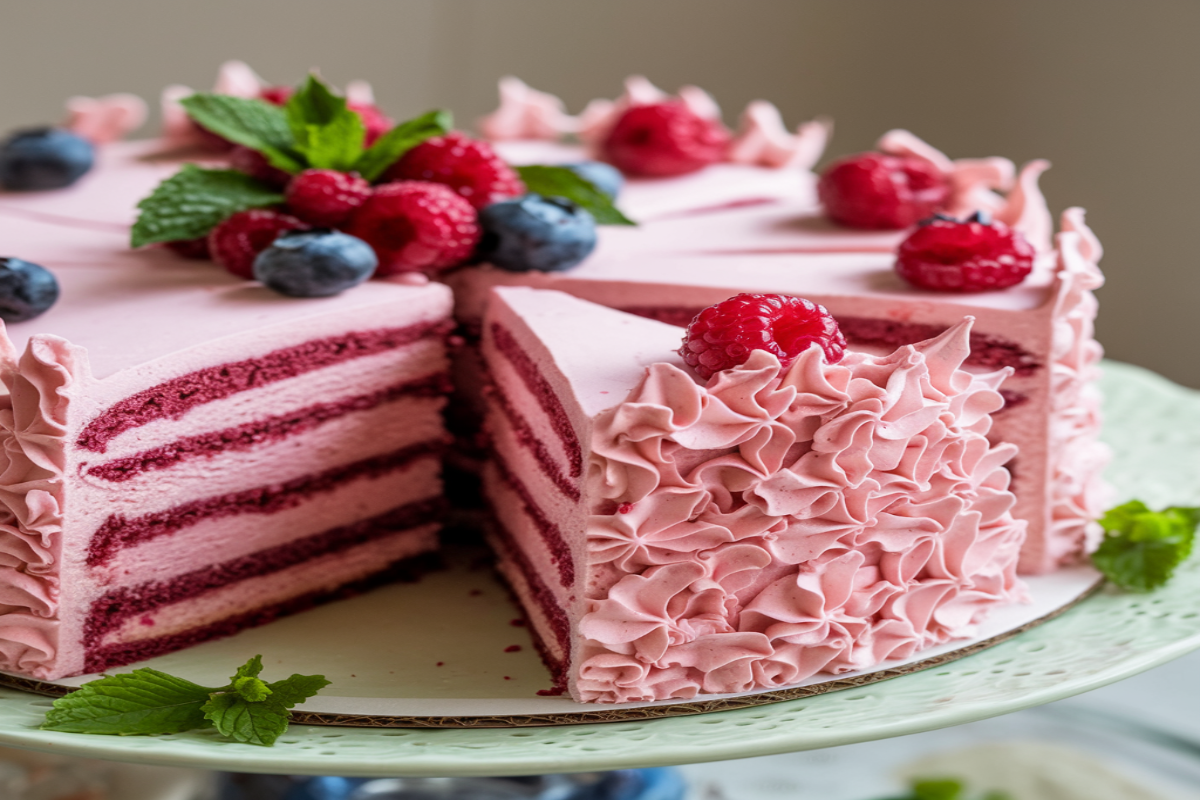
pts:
[1153, 427]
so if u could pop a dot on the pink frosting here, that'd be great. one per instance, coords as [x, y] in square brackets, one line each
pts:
[777, 523]
[762, 139]
[974, 184]
[1077, 456]
[526, 113]
[33, 420]
[105, 119]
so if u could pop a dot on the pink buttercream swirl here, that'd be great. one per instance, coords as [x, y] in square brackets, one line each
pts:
[975, 183]
[762, 139]
[780, 523]
[105, 119]
[33, 426]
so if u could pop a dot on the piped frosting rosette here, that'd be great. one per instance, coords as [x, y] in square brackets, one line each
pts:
[777, 523]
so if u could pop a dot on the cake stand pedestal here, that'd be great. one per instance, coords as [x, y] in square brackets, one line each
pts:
[1154, 428]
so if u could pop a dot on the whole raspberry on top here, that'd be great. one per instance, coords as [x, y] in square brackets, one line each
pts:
[469, 167]
[374, 120]
[415, 226]
[878, 191]
[237, 241]
[276, 95]
[325, 197]
[975, 255]
[723, 336]
[664, 139]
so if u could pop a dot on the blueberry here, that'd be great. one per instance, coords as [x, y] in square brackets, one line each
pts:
[547, 234]
[605, 177]
[26, 289]
[315, 263]
[44, 158]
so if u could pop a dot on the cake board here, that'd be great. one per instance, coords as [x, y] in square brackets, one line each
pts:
[1154, 429]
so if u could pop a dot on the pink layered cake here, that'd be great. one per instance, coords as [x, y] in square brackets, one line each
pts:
[186, 454]
[669, 536]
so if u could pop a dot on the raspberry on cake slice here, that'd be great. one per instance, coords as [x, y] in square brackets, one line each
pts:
[671, 535]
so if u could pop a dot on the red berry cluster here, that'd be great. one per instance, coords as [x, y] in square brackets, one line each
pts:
[422, 216]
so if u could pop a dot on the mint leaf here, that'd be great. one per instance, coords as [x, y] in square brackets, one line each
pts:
[193, 201]
[938, 789]
[399, 140]
[258, 723]
[327, 133]
[1141, 547]
[253, 717]
[250, 669]
[256, 124]
[562, 182]
[144, 701]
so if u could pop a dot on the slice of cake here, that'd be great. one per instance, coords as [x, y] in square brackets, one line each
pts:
[186, 454]
[669, 537]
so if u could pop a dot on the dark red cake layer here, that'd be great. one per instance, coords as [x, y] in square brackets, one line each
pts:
[552, 537]
[116, 655]
[111, 610]
[989, 351]
[174, 398]
[530, 441]
[118, 532]
[546, 396]
[506, 546]
[253, 434]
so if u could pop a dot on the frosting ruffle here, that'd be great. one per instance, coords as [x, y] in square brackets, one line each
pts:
[33, 431]
[778, 523]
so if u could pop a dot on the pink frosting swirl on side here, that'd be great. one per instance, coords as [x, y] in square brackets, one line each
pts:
[33, 420]
[526, 113]
[780, 523]
[762, 139]
[105, 119]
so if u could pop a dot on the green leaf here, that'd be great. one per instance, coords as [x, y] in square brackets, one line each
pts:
[399, 140]
[193, 201]
[252, 689]
[256, 124]
[244, 721]
[296, 689]
[937, 789]
[327, 133]
[250, 669]
[562, 182]
[1141, 547]
[144, 701]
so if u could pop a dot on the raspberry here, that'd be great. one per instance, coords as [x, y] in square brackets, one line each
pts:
[467, 166]
[255, 164]
[276, 95]
[195, 249]
[723, 336]
[374, 120]
[975, 255]
[878, 191]
[415, 226]
[238, 240]
[664, 139]
[325, 197]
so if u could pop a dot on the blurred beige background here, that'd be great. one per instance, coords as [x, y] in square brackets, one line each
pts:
[1106, 90]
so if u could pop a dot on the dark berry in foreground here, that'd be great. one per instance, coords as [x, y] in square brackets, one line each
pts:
[317, 263]
[415, 226]
[194, 249]
[44, 158]
[236, 242]
[26, 289]
[606, 178]
[664, 139]
[468, 166]
[974, 255]
[325, 197]
[882, 192]
[724, 335]
[547, 234]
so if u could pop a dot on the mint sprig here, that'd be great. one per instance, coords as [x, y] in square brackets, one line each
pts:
[399, 140]
[149, 702]
[256, 124]
[562, 182]
[327, 134]
[193, 201]
[1141, 548]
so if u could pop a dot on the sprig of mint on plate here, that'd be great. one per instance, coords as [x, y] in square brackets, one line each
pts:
[314, 130]
[147, 702]
[1142, 548]
[945, 789]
